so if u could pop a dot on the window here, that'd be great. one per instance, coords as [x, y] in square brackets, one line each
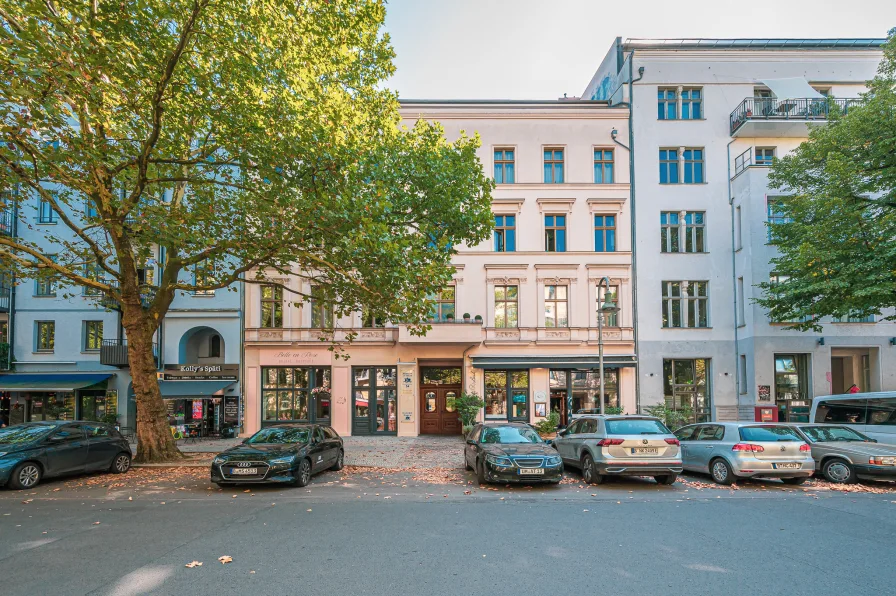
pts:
[504, 166]
[94, 272]
[774, 278]
[583, 389]
[843, 411]
[855, 318]
[691, 103]
[742, 375]
[791, 376]
[368, 319]
[603, 166]
[204, 275]
[610, 319]
[443, 305]
[146, 275]
[506, 306]
[689, 226]
[553, 166]
[776, 214]
[686, 387]
[764, 156]
[505, 233]
[321, 309]
[685, 304]
[90, 209]
[667, 103]
[46, 284]
[555, 233]
[214, 346]
[668, 166]
[741, 311]
[437, 375]
[375, 405]
[271, 306]
[556, 306]
[507, 394]
[46, 213]
[300, 393]
[605, 233]
[93, 335]
[693, 166]
[881, 412]
[45, 336]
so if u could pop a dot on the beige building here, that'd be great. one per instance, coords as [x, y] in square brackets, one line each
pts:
[531, 292]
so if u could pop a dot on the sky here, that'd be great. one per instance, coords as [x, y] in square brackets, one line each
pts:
[541, 49]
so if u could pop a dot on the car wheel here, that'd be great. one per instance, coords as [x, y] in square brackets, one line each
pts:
[721, 472]
[303, 474]
[480, 473]
[25, 475]
[589, 473]
[795, 481]
[121, 464]
[666, 479]
[467, 465]
[340, 461]
[838, 471]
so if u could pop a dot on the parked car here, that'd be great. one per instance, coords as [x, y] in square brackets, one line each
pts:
[872, 414]
[731, 450]
[620, 445]
[285, 453]
[583, 412]
[843, 455]
[33, 451]
[511, 452]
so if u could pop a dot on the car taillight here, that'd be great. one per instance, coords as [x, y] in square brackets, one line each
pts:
[805, 447]
[606, 442]
[673, 441]
[748, 447]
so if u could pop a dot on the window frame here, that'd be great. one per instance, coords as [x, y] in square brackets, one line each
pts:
[689, 102]
[321, 310]
[91, 332]
[684, 228]
[691, 164]
[510, 387]
[553, 162]
[503, 163]
[555, 237]
[440, 304]
[691, 306]
[273, 304]
[604, 165]
[46, 214]
[665, 103]
[46, 286]
[760, 157]
[504, 302]
[504, 236]
[669, 160]
[606, 231]
[557, 302]
[50, 346]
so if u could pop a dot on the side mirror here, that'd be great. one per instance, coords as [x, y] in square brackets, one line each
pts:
[471, 442]
[549, 442]
[55, 438]
[561, 432]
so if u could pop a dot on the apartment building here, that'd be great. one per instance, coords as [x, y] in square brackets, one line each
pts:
[518, 324]
[709, 116]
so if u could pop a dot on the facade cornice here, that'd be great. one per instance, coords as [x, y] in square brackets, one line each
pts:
[566, 186]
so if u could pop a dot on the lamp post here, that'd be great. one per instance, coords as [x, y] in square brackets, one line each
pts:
[608, 307]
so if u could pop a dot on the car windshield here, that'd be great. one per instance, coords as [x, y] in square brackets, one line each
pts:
[277, 436]
[769, 434]
[638, 426]
[832, 433]
[23, 433]
[510, 434]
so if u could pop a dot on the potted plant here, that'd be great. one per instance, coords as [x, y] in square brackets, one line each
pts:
[479, 319]
[450, 318]
[466, 317]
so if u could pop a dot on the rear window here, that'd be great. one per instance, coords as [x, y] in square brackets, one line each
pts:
[768, 433]
[637, 427]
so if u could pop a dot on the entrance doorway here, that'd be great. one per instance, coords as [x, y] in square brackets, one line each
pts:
[853, 366]
[439, 387]
[374, 405]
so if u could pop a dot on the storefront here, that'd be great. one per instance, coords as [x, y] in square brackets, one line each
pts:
[30, 397]
[201, 399]
[686, 386]
[374, 400]
[792, 387]
[574, 390]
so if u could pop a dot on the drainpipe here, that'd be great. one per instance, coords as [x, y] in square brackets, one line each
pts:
[10, 331]
[737, 387]
[241, 409]
[634, 228]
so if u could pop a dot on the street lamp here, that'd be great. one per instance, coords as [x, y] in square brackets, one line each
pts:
[607, 308]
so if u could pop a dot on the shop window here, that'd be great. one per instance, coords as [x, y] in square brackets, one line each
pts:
[295, 393]
[271, 306]
[791, 376]
[686, 387]
[507, 394]
[435, 375]
[375, 403]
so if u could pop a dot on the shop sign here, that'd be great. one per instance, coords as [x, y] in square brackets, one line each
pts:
[767, 415]
[210, 372]
[408, 416]
[296, 358]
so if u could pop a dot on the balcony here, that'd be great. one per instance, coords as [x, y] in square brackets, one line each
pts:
[6, 224]
[114, 352]
[443, 333]
[147, 295]
[789, 118]
[367, 335]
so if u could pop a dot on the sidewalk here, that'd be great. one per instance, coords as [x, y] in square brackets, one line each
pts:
[376, 452]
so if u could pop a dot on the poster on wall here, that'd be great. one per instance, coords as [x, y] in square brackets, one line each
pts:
[197, 409]
[541, 410]
[765, 393]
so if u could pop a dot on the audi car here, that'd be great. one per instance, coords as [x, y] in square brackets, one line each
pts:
[285, 454]
[511, 452]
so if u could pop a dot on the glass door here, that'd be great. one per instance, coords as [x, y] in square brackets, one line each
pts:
[374, 401]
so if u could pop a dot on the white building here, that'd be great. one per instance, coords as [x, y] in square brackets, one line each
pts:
[707, 118]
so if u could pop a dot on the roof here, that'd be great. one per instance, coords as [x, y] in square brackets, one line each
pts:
[568, 102]
[744, 43]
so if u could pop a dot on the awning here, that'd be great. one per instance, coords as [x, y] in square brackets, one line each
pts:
[564, 362]
[193, 389]
[794, 88]
[50, 382]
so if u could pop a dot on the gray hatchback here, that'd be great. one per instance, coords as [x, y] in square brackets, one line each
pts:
[620, 446]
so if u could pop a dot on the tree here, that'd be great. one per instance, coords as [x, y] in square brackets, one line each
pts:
[836, 227]
[217, 139]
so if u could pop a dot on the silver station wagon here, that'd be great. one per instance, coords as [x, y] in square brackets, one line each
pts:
[731, 450]
[620, 446]
[843, 455]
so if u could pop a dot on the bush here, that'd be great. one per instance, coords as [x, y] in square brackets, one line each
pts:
[674, 419]
[549, 424]
[467, 407]
[614, 411]
[110, 419]
[467, 429]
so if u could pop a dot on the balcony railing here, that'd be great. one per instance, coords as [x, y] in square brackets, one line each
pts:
[114, 352]
[772, 109]
[147, 295]
[387, 335]
[6, 223]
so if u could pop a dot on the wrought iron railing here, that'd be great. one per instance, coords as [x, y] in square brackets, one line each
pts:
[114, 352]
[766, 108]
[6, 223]
[147, 295]
[743, 161]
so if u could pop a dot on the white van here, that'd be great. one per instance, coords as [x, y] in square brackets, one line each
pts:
[873, 414]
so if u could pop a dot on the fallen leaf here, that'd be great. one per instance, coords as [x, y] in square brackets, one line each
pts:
[194, 564]
[224, 559]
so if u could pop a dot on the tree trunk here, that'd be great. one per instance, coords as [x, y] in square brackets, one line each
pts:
[154, 440]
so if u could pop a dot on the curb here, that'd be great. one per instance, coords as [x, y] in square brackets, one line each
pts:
[174, 465]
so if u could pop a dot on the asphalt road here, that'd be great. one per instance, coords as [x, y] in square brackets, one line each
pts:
[363, 533]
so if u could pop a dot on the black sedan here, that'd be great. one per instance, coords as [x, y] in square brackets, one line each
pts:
[286, 454]
[35, 450]
[511, 452]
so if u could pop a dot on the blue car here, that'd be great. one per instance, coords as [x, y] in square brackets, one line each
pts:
[33, 451]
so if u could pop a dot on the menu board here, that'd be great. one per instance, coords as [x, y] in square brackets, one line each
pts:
[231, 408]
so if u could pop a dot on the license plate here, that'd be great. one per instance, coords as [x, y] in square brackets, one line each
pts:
[787, 466]
[645, 450]
[244, 471]
[531, 471]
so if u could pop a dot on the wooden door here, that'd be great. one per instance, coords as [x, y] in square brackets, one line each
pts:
[437, 416]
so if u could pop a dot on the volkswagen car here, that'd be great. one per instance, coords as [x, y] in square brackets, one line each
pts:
[286, 454]
[511, 452]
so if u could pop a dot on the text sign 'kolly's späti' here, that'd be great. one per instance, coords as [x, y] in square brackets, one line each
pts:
[214, 372]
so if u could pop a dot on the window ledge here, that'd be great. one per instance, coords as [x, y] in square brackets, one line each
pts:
[43, 352]
[47, 223]
[90, 352]
[685, 328]
[684, 253]
[43, 295]
[681, 119]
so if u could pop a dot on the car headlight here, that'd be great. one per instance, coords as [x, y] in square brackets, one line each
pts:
[2, 453]
[283, 460]
[219, 460]
[875, 461]
[553, 461]
[499, 461]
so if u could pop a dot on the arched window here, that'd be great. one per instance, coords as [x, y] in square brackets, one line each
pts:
[214, 347]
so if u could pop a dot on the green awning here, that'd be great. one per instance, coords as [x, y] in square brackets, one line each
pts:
[52, 382]
[563, 362]
[192, 389]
